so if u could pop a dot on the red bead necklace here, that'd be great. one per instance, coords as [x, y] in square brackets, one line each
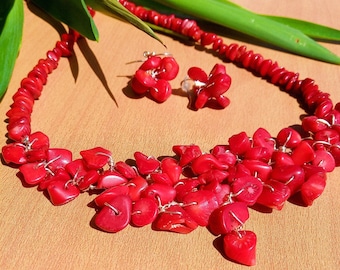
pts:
[191, 188]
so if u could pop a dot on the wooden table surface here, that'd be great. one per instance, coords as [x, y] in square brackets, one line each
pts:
[77, 113]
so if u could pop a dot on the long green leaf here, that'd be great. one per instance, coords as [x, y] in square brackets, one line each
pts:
[260, 27]
[6, 7]
[10, 42]
[313, 30]
[114, 9]
[74, 13]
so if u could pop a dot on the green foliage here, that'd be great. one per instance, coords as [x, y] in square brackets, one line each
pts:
[74, 13]
[232, 16]
[11, 24]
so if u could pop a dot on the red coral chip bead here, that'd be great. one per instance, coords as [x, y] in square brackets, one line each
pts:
[96, 158]
[88, 180]
[109, 194]
[325, 160]
[58, 175]
[23, 99]
[327, 135]
[201, 99]
[312, 189]
[160, 192]
[223, 101]
[303, 153]
[199, 205]
[185, 186]
[311, 169]
[261, 170]
[313, 124]
[136, 187]
[115, 215]
[76, 168]
[247, 189]
[335, 151]
[291, 175]
[34, 85]
[258, 153]
[168, 69]
[126, 170]
[161, 91]
[186, 153]
[205, 163]
[240, 247]
[281, 159]
[38, 144]
[161, 178]
[228, 217]
[288, 137]
[33, 173]
[239, 143]
[175, 219]
[62, 192]
[213, 176]
[145, 78]
[14, 153]
[222, 191]
[262, 138]
[324, 109]
[110, 179]
[138, 87]
[237, 171]
[144, 212]
[151, 63]
[218, 69]
[58, 158]
[218, 84]
[197, 74]
[38, 73]
[18, 131]
[146, 164]
[18, 111]
[65, 50]
[171, 167]
[223, 154]
[274, 195]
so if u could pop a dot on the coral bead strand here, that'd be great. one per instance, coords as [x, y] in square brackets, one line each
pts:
[193, 188]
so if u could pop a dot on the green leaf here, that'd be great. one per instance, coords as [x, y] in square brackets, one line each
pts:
[232, 16]
[74, 13]
[6, 7]
[313, 30]
[11, 23]
[114, 9]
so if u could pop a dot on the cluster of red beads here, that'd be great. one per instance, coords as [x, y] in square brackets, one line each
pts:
[191, 188]
[153, 77]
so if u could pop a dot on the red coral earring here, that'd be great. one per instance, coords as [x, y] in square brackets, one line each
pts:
[153, 76]
[206, 88]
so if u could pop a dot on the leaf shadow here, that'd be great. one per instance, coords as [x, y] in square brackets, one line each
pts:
[83, 46]
[58, 26]
[95, 65]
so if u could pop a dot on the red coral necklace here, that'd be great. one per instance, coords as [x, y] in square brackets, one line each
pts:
[192, 188]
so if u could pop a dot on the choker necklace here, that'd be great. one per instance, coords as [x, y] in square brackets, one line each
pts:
[190, 189]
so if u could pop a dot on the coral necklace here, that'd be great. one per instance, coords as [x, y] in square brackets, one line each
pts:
[192, 188]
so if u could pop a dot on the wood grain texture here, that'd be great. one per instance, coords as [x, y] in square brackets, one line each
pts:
[77, 113]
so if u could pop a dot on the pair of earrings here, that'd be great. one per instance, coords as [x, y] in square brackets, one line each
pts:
[153, 77]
